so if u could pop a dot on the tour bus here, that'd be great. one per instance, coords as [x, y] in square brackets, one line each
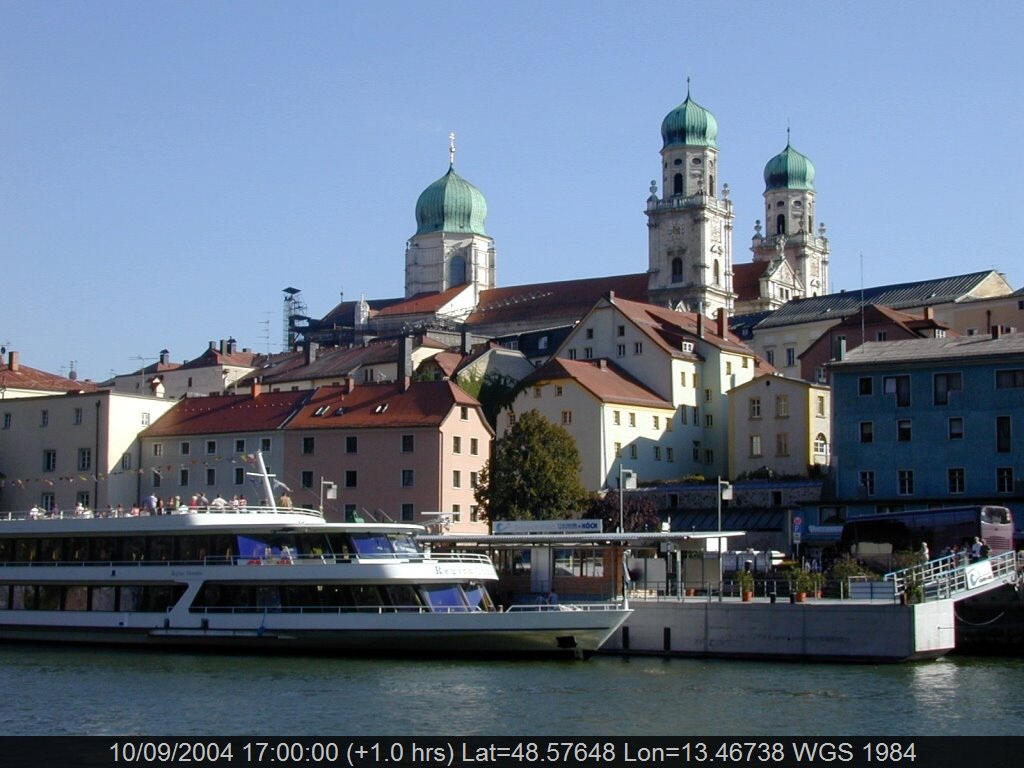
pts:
[874, 538]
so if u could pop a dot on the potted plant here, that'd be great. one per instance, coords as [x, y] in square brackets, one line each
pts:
[817, 579]
[746, 581]
[799, 583]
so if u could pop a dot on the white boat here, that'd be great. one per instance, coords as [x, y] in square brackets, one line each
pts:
[269, 579]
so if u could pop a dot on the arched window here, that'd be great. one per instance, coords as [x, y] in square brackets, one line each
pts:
[677, 270]
[677, 184]
[780, 224]
[821, 444]
[711, 185]
[457, 271]
[717, 272]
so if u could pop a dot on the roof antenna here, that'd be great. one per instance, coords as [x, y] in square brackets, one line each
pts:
[451, 149]
[687, 86]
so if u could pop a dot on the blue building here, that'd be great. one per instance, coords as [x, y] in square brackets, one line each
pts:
[929, 422]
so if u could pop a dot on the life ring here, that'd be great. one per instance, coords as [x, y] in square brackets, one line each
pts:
[284, 562]
[255, 562]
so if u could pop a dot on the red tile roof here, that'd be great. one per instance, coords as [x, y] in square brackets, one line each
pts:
[669, 328]
[24, 377]
[602, 378]
[746, 280]
[228, 413]
[422, 303]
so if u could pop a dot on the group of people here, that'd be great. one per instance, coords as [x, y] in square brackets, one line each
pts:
[968, 552]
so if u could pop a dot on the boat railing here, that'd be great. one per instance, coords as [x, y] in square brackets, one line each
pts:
[336, 609]
[210, 509]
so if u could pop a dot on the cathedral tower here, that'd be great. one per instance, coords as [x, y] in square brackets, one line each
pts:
[789, 224]
[690, 225]
[450, 247]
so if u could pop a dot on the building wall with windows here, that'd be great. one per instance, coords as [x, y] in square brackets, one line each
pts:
[779, 424]
[929, 422]
[61, 450]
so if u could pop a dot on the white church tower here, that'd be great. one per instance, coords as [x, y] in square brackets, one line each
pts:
[690, 224]
[451, 246]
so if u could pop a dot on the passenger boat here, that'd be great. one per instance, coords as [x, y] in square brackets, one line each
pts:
[269, 579]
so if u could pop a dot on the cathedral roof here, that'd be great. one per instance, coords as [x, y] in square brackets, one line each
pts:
[789, 170]
[451, 204]
[689, 125]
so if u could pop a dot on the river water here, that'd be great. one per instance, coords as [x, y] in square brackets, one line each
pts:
[61, 691]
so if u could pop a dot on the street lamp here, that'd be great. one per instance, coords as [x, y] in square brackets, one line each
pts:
[723, 490]
[332, 491]
[627, 479]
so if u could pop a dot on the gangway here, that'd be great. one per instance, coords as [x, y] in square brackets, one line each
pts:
[951, 578]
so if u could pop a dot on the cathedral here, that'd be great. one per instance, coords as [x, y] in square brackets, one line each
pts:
[450, 260]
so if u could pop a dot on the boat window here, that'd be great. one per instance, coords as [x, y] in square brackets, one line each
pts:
[477, 597]
[270, 546]
[103, 550]
[161, 549]
[76, 598]
[443, 597]
[26, 550]
[78, 550]
[24, 596]
[49, 597]
[405, 544]
[133, 548]
[371, 544]
[403, 597]
[367, 595]
[129, 598]
[5, 596]
[103, 598]
[6, 550]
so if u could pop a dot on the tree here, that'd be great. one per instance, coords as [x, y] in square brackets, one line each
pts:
[533, 473]
[639, 512]
[494, 391]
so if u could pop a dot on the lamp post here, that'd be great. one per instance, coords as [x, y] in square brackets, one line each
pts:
[332, 491]
[627, 479]
[723, 490]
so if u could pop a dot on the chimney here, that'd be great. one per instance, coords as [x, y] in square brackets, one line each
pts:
[723, 322]
[611, 296]
[840, 348]
[700, 325]
[929, 313]
[231, 346]
[602, 364]
[165, 356]
[257, 388]
[467, 345]
[996, 331]
[14, 361]
[223, 346]
[405, 361]
[311, 350]
[350, 384]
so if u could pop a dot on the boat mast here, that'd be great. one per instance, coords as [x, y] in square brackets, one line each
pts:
[265, 477]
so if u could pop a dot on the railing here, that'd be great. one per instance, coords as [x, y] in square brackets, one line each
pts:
[211, 509]
[292, 558]
[948, 577]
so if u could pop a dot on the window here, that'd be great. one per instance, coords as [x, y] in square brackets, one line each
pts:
[898, 386]
[754, 408]
[657, 421]
[709, 420]
[781, 406]
[956, 428]
[558, 391]
[588, 353]
[84, 459]
[240, 445]
[903, 430]
[542, 343]
[632, 419]
[408, 513]
[536, 391]
[572, 353]
[474, 479]
[474, 446]
[867, 431]
[49, 461]
[696, 450]
[670, 455]
[351, 478]
[77, 417]
[782, 444]
[474, 513]
[755, 446]
[881, 336]
[618, 450]
[265, 444]
[728, 368]
[867, 482]
[632, 451]
[464, 412]
[1010, 379]
[682, 378]
[456, 512]
[308, 445]
[638, 348]
[306, 478]
[864, 385]
[408, 443]
[239, 475]
[707, 395]
[126, 461]
[183, 477]
[589, 333]
[185, 448]
[1003, 434]
[408, 478]
[790, 357]
[211, 476]
[456, 478]
[821, 444]
[709, 456]
[566, 418]
[351, 444]
[511, 419]
[769, 355]
[7, 420]
[616, 417]
[821, 405]
[158, 449]
[1004, 479]
[156, 479]
[943, 384]
[44, 418]
[620, 330]
[620, 350]
[956, 480]
[677, 263]
[905, 482]
[657, 453]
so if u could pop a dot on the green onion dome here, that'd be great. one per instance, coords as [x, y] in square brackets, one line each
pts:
[451, 204]
[789, 170]
[689, 125]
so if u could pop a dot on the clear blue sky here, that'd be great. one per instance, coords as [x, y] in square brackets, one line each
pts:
[167, 168]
